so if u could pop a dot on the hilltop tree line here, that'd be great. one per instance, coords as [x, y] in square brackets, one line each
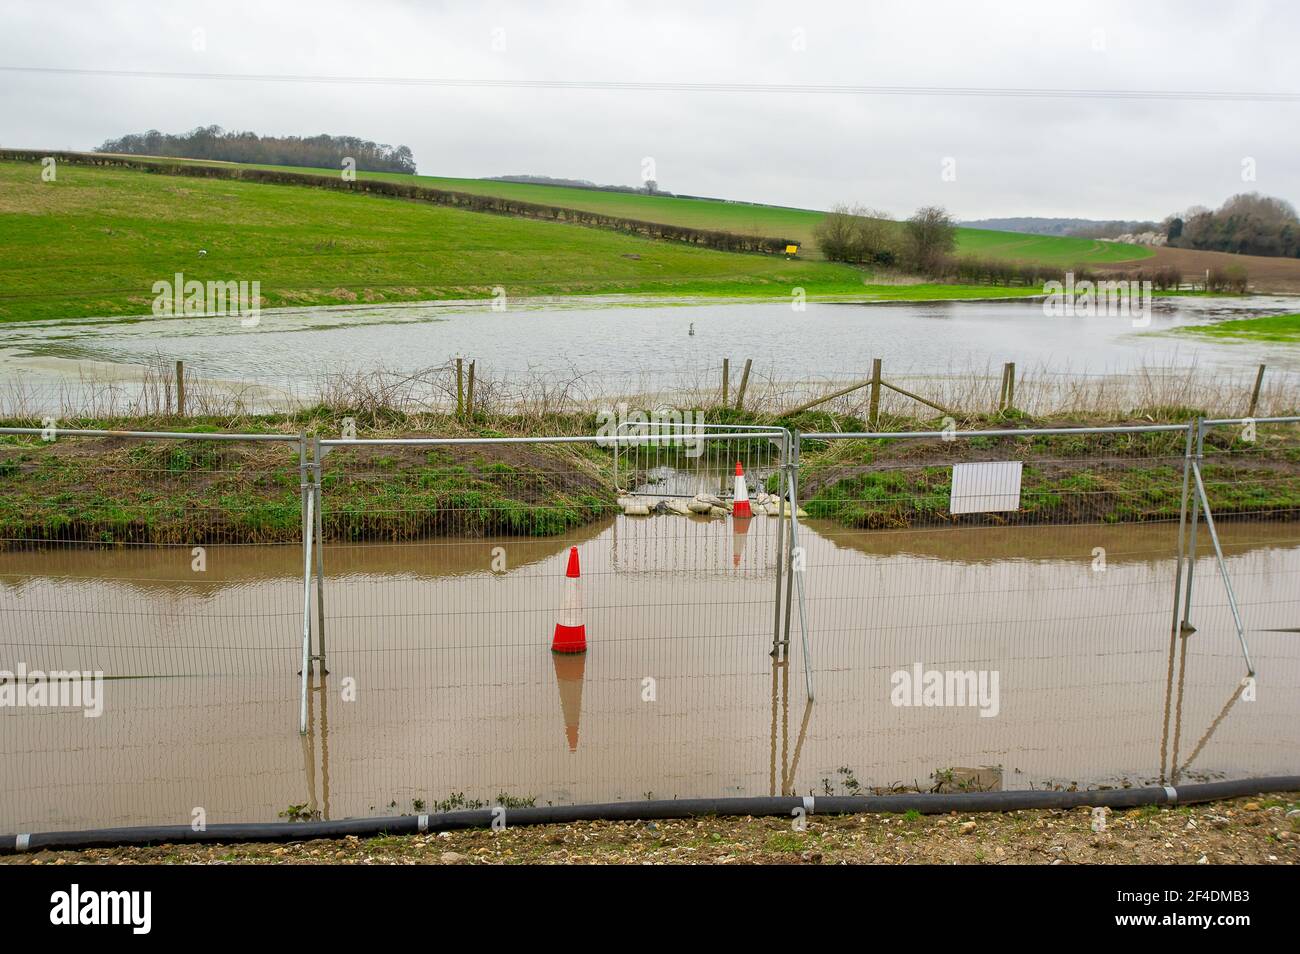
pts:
[1247, 224]
[213, 142]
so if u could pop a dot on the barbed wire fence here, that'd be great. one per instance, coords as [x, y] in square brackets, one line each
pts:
[159, 387]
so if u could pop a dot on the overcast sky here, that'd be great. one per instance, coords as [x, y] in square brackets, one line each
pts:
[1095, 158]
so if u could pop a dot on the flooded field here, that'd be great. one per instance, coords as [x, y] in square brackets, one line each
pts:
[611, 346]
[441, 681]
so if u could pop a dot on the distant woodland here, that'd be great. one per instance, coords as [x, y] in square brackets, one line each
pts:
[213, 142]
[1248, 224]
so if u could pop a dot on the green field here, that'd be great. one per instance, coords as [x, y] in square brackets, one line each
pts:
[1280, 328]
[94, 242]
[750, 219]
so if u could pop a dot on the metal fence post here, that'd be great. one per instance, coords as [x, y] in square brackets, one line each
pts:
[308, 517]
[777, 644]
[308, 527]
[1182, 528]
[788, 504]
[320, 554]
[306, 613]
[1186, 629]
[795, 439]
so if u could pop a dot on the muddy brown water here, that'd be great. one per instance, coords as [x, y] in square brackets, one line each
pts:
[441, 680]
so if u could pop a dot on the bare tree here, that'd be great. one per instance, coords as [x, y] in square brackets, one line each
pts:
[929, 237]
[858, 235]
[834, 234]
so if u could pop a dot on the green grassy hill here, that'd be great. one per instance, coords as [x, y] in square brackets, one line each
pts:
[753, 219]
[94, 242]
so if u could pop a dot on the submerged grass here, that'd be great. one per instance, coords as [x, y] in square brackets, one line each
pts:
[1280, 328]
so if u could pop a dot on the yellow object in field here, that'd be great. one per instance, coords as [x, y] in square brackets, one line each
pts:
[792, 249]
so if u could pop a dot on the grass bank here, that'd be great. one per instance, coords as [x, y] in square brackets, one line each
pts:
[94, 242]
[114, 490]
[1241, 831]
[1097, 478]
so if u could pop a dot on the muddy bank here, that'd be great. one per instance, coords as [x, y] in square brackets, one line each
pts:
[1263, 830]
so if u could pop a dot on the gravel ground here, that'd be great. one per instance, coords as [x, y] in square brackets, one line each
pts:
[1261, 830]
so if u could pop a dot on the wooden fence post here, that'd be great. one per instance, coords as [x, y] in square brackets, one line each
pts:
[1011, 386]
[1254, 395]
[180, 388]
[469, 390]
[873, 414]
[460, 387]
[744, 382]
[726, 379]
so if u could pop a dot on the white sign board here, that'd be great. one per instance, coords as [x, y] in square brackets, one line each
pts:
[986, 487]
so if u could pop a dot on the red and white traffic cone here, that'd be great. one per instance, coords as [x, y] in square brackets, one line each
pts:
[740, 499]
[570, 630]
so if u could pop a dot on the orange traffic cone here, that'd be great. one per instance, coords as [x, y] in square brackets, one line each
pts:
[570, 630]
[740, 499]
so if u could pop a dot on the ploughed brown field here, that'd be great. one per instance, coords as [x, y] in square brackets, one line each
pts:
[1266, 274]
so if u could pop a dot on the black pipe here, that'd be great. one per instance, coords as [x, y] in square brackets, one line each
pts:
[926, 804]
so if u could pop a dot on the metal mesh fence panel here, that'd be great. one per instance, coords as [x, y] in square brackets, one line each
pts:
[1047, 609]
[447, 636]
[157, 575]
[1065, 598]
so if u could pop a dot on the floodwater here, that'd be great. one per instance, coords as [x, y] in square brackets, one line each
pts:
[617, 346]
[441, 680]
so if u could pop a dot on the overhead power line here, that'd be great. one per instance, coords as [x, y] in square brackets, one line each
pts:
[1232, 96]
